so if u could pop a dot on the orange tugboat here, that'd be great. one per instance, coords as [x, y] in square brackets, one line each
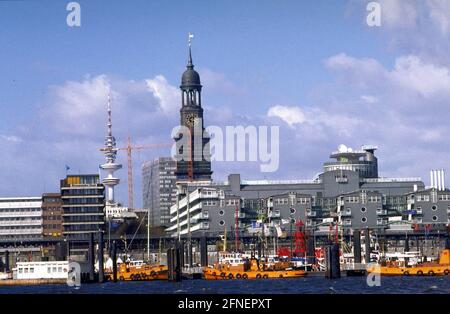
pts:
[129, 272]
[421, 269]
[232, 266]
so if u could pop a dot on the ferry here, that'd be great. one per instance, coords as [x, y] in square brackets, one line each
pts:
[235, 266]
[396, 268]
[41, 270]
[139, 271]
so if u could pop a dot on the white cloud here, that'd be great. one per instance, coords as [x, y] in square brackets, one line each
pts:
[369, 99]
[409, 73]
[425, 78]
[440, 14]
[167, 95]
[314, 122]
[399, 13]
[11, 138]
[290, 115]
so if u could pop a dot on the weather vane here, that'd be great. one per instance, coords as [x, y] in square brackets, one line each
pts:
[190, 38]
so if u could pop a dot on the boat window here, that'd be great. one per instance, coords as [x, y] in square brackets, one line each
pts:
[31, 270]
[25, 270]
[59, 269]
[49, 270]
[20, 270]
[54, 269]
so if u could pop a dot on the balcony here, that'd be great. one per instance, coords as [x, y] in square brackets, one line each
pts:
[347, 222]
[381, 222]
[274, 214]
[241, 215]
[345, 213]
[203, 215]
[205, 225]
[21, 222]
[21, 214]
[311, 213]
[381, 212]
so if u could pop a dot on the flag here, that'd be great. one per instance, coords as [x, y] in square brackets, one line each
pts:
[67, 168]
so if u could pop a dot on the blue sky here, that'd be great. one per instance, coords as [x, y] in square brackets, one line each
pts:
[344, 82]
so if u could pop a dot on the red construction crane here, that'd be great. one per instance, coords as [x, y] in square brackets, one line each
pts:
[130, 148]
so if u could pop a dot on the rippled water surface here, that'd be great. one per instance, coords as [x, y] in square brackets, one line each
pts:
[270, 286]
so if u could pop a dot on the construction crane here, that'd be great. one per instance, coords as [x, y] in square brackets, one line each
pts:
[129, 148]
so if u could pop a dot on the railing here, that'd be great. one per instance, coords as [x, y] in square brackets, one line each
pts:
[274, 214]
[383, 180]
[262, 182]
[381, 212]
[345, 213]
[21, 231]
[21, 214]
[21, 223]
[311, 213]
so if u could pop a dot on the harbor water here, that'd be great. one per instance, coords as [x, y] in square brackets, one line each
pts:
[345, 285]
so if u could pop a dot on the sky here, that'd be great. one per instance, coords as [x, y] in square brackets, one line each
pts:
[316, 69]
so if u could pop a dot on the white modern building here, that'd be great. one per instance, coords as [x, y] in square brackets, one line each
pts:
[20, 218]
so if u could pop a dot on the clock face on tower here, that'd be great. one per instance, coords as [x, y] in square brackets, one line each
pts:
[191, 119]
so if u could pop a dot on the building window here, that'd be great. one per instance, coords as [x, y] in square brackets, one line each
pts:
[434, 208]
[363, 209]
[292, 210]
[221, 213]
[222, 222]
[435, 218]
[364, 219]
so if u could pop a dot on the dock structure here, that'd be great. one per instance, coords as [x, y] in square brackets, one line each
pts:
[32, 282]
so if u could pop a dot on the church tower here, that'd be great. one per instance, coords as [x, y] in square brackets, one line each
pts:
[196, 164]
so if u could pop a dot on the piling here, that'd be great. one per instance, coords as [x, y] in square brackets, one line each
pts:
[310, 250]
[61, 251]
[170, 264]
[7, 261]
[335, 264]
[357, 246]
[101, 277]
[114, 259]
[91, 257]
[178, 259]
[332, 265]
[367, 245]
[180, 250]
[327, 260]
[259, 245]
[203, 252]
[174, 262]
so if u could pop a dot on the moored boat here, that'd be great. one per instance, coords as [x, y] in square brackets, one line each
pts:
[128, 272]
[420, 269]
[233, 266]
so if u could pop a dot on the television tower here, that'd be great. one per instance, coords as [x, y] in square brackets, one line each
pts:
[110, 166]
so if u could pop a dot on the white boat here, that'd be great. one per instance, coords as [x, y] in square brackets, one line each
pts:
[41, 270]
